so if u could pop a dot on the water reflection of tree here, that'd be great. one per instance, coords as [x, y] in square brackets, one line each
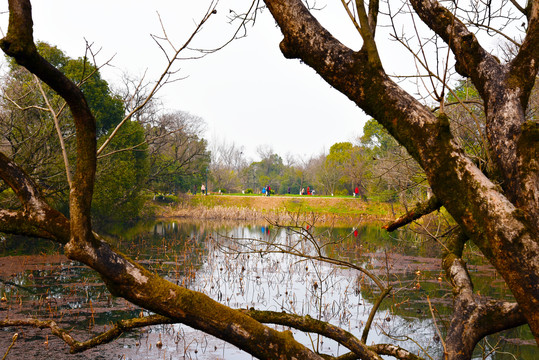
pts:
[312, 246]
[420, 308]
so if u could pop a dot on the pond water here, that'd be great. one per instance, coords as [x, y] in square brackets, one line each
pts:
[246, 266]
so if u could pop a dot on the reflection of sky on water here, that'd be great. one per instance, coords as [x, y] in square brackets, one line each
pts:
[282, 282]
[265, 281]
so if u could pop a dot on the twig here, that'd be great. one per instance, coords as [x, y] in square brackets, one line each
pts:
[436, 325]
[58, 130]
[163, 79]
[372, 313]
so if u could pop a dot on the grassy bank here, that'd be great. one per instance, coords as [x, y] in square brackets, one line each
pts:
[279, 208]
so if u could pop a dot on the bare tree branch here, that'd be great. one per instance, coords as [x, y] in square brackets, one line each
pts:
[162, 79]
[58, 131]
[420, 210]
[308, 324]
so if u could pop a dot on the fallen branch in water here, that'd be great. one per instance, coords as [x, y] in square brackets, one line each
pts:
[79, 346]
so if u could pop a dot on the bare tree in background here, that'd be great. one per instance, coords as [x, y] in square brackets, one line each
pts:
[177, 151]
[227, 164]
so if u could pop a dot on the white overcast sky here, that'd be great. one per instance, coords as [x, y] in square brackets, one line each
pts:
[247, 93]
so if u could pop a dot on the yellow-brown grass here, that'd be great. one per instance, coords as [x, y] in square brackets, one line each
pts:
[282, 209]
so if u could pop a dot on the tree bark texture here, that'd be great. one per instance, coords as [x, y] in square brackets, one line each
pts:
[502, 221]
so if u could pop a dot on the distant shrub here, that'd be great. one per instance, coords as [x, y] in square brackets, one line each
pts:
[249, 191]
[342, 192]
[168, 199]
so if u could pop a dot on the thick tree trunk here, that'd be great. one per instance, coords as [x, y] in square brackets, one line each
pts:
[503, 222]
[473, 316]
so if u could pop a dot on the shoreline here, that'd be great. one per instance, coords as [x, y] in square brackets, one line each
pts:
[278, 209]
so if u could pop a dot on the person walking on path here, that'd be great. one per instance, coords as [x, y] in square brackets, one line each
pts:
[203, 189]
[356, 191]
